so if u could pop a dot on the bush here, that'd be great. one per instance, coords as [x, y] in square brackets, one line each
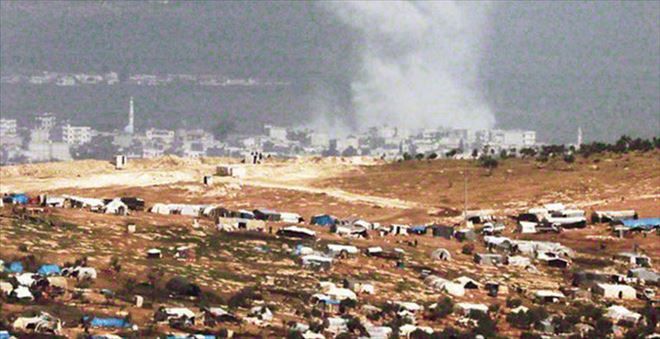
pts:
[467, 249]
[569, 158]
[242, 298]
[445, 307]
[485, 325]
[529, 335]
[407, 156]
[432, 156]
[419, 156]
[488, 162]
[513, 303]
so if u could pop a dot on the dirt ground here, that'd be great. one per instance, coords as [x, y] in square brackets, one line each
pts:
[413, 192]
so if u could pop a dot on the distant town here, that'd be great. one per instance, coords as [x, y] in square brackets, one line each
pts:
[47, 138]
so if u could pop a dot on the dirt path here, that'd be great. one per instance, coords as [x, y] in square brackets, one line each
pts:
[338, 194]
[131, 178]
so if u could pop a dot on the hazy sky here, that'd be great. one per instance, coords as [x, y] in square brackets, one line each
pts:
[548, 66]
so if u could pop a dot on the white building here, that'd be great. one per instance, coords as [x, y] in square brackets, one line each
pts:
[319, 139]
[45, 121]
[8, 128]
[163, 135]
[76, 135]
[277, 133]
[48, 151]
[506, 139]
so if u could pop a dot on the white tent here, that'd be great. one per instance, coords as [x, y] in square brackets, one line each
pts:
[441, 254]
[616, 313]
[293, 218]
[22, 292]
[160, 209]
[116, 206]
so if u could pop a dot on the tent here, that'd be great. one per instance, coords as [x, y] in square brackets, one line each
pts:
[616, 313]
[443, 231]
[22, 292]
[296, 232]
[441, 254]
[418, 229]
[643, 224]
[108, 322]
[50, 269]
[17, 198]
[15, 267]
[324, 220]
[116, 206]
[265, 214]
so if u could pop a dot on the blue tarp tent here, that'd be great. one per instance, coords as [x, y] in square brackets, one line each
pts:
[645, 223]
[4, 335]
[324, 220]
[15, 267]
[418, 229]
[109, 322]
[19, 198]
[50, 269]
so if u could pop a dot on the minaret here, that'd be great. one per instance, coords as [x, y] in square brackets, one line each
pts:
[131, 112]
[579, 138]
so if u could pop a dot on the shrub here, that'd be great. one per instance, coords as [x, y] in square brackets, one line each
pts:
[569, 158]
[242, 298]
[467, 249]
[513, 303]
[444, 307]
[488, 162]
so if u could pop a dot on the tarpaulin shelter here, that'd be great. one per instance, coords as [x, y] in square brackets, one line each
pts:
[49, 269]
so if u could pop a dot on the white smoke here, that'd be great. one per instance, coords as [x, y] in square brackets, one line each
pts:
[419, 63]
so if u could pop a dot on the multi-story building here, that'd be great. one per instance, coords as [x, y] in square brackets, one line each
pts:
[277, 133]
[45, 121]
[8, 128]
[160, 135]
[76, 135]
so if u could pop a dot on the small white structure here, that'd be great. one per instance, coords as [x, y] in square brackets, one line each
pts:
[6, 287]
[441, 254]
[154, 253]
[292, 218]
[231, 171]
[549, 296]
[44, 322]
[617, 313]
[120, 161]
[160, 209]
[208, 180]
[615, 291]
[335, 249]
[22, 293]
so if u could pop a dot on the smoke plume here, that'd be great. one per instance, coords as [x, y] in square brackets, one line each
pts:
[419, 63]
